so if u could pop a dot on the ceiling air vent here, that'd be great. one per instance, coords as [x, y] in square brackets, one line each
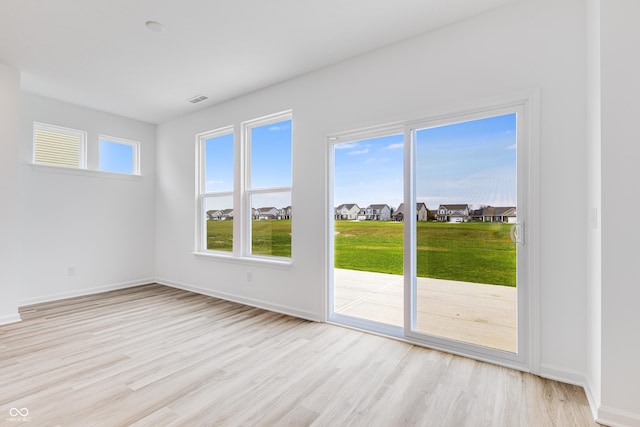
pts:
[197, 99]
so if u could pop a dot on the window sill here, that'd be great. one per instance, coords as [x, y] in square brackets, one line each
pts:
[83, 172]
[272, 262]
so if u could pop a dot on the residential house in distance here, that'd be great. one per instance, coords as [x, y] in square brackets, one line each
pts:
[214, 214]
[499, 214]
[347, 211]
[362, 214]
[422, 212]
[378, 212]
[265, 213]
[476, 214]
[453, 213]
[226, 214]
[219, 214]
[284, 213]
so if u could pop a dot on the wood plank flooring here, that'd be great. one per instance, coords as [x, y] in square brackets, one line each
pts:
[157, 356]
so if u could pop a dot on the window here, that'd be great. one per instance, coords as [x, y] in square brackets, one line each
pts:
[246, 213]
[119, 155]
[216, 190]
[59, 146]
[67, 148]
[268, 185]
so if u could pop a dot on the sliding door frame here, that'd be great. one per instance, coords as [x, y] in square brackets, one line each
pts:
[519, 359]
[332, 316]
[526, 105]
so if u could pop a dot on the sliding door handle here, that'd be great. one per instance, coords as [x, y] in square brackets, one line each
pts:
[517, 233]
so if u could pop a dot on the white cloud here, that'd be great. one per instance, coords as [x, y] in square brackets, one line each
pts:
[215, 182]
[512, 147]
[346, 145]
[358, 152]
[394, 146]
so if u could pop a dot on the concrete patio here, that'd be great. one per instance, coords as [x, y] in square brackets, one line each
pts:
[470, 312]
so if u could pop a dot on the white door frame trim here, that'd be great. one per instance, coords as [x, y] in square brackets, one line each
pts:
[527, 102]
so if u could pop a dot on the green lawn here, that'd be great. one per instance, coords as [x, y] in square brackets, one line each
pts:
[268, 237]
[470, 252]
[220, 235]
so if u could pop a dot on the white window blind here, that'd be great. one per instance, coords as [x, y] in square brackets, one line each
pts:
[58, 146]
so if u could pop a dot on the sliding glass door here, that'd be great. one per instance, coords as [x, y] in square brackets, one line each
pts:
[368, 281]
[443, 264]
[466, 269]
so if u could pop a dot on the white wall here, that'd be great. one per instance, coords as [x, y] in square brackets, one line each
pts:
[620, 38]
[101, 224]
[528, 44]
[9, 196]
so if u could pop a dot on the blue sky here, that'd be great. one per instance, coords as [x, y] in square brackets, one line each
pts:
[219, 163]
[271, 155]
[115, 157]
[369, 171]
[471, 162]
[270, 163]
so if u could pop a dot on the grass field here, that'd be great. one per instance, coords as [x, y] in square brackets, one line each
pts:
[469, 252]
[268, 237]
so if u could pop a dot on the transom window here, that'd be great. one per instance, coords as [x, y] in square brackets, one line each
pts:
[119, 155]
[59, 146]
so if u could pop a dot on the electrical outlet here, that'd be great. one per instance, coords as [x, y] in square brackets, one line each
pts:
[71, 271]
[249, 276]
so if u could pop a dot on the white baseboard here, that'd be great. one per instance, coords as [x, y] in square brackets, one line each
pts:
[594, 403]
[243, 300]
[563, 375]
[82, 292]
[617, 418]
[10, 318]
[569, 376]
[601, 414]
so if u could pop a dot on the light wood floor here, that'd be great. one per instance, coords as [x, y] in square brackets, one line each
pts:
[156, 356]
[474, 313]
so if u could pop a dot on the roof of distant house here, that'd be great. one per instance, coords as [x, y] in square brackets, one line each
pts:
[455, 207]
[419, 205]
[499, 211]
[349, 206]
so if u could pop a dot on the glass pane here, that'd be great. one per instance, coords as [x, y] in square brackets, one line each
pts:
[218, 158]
[466, 260]
[271, 155]
[271, 216]
[116, 157]
[218, 216]
[369, 239]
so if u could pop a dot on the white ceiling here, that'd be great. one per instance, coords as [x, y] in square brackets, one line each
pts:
[99, 54]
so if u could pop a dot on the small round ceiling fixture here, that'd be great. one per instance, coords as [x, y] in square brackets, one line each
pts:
[154, 27]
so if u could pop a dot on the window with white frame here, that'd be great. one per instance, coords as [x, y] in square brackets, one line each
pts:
[267, 192]
[59, 146]
[216, 182]
[246, 213]
[119, 155]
